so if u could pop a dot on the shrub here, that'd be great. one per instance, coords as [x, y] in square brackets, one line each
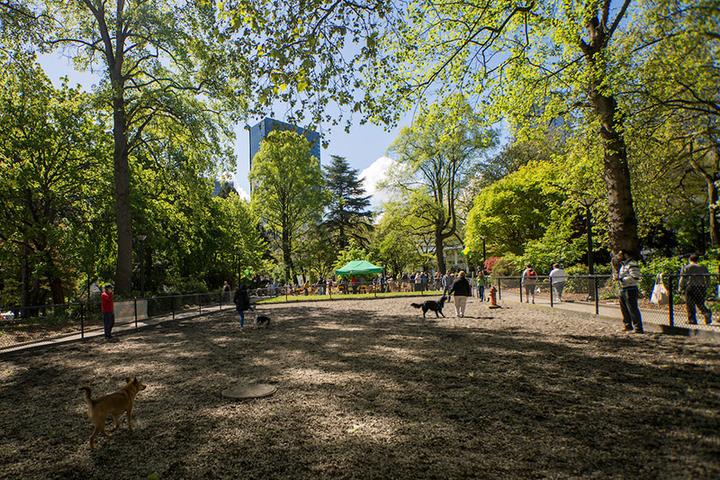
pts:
[506, 266]
[490, 263]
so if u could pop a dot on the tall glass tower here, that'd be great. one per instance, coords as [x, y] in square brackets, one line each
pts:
[267, 125]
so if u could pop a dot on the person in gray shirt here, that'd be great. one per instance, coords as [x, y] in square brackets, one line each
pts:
[694, 282]
[629, 275]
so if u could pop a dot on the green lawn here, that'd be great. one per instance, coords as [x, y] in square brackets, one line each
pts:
[350, 296]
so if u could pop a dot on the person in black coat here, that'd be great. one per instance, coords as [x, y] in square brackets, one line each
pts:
[461, 289]
[242, 302]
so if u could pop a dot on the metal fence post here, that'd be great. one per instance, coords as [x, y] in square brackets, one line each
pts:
[82, 321]
[500, 289]
[521, 290]
[286, 295]
[597, 295]
[135, 305]
[172, 303]
[552, 299]
[671, 302]
[199, 299]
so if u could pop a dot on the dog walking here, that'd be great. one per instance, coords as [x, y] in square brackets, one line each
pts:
[461, 291]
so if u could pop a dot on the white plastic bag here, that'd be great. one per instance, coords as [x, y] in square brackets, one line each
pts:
[659, 294]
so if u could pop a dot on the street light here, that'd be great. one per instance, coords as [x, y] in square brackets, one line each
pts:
[484, 254]
[142, 239]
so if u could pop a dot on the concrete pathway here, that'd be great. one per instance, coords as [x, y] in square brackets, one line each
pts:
[97, 332]
[650, 316]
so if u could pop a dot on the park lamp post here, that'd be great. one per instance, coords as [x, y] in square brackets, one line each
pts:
[484, 254]
[142, 239]
[587, 202]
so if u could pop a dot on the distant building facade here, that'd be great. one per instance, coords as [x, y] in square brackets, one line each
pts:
[267, 125]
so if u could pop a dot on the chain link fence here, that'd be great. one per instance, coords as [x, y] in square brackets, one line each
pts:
[675, 300]
[44, 322]
[20, 325]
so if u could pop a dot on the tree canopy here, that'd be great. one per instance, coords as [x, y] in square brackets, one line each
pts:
[287, 189]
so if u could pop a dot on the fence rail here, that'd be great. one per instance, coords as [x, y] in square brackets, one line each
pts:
[41, 322]
[679, 300]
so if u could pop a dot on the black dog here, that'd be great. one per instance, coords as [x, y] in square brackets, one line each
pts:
[262, 319]
[431, 305]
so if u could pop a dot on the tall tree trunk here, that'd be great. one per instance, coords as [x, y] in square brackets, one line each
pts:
[622, 222]
[712, 194]
[25, 280]
[622, 225]
[713, 200]
[287, 254]
[440, 250]
[123, 215]
[54, 280]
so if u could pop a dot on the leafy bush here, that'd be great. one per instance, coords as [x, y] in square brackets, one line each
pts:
[490, 263]
[506, 266]
[192, 285]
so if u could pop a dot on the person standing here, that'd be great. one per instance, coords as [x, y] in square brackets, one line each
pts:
[557, 280]
[694, 282]
[108, 311]
[629, 275]
[461, 289]
[481, 281]
[242, 302]
[226, 291]
[528, 281]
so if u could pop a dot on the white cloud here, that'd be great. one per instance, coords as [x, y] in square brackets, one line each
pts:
[374, 174]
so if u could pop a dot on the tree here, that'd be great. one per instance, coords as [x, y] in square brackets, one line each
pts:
[148, 53]
[434, 157]
[674, 93]
[348, 254]
[51, 181]
[515, 210]
[394, 244]
[288, 195]
[314, 253]
[533, 63]
[347, 216]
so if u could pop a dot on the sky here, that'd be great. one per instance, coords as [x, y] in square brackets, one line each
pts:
[364, 147]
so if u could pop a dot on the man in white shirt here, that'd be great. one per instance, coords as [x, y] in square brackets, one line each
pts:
[557, 280]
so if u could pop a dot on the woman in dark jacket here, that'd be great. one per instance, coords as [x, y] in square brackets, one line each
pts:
[461, 289]
[242, 302]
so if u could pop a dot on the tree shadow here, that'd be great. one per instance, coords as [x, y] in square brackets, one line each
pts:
[368, 394]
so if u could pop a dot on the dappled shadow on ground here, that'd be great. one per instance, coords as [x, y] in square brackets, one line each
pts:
[370, 390]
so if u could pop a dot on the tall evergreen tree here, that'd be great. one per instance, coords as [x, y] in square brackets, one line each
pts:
[347, 213]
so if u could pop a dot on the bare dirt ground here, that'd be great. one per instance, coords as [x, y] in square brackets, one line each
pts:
[366, 389]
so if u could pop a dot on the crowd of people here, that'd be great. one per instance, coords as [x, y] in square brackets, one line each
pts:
[694, 282]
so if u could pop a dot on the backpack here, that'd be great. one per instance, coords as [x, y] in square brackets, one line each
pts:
[532, 274]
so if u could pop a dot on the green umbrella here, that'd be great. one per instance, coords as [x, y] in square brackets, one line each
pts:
[358, 267]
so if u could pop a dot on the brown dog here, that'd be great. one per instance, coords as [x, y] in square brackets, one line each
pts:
[114, 405]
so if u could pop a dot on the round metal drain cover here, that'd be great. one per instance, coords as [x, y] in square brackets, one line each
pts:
[245, 392]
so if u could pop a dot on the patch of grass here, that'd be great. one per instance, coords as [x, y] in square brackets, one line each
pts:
[350, 296]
